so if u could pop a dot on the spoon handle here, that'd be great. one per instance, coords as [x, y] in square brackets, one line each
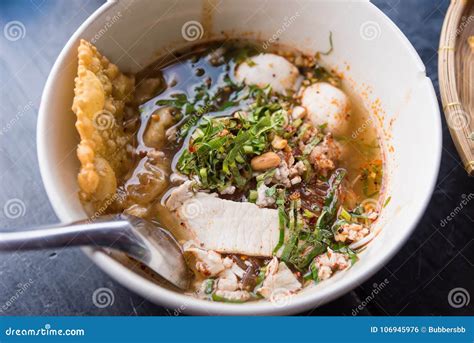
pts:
[138, 238]
[82, 233]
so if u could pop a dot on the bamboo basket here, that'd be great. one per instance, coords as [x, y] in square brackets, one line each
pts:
[456, 77]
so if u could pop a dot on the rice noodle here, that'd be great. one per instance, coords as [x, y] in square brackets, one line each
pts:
[363, 241]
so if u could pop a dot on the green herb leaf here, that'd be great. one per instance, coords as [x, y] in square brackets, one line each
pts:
[223, 147]
[282, 220]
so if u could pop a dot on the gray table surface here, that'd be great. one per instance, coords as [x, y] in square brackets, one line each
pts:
[436, 259]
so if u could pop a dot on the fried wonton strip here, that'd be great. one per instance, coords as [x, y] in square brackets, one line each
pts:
[100, 95]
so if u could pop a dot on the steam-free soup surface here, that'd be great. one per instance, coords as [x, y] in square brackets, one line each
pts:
[262, 164]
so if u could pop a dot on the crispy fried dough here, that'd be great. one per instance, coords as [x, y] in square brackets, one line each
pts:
[100, 95]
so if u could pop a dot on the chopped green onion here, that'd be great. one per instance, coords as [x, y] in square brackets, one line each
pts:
[260, 277]
[253, 195]
[248, 149]
[309, 147]
[293, 240]
[265, 176]
[281, 220]
[209, 286]
[296, 124]
[303, 130]
[203, 174]
[312, 273]
[308, 214]
[345, 215]
[323, 127]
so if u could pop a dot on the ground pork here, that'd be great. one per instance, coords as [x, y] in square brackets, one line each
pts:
[329, 263]
[351, 232]
[325, 155]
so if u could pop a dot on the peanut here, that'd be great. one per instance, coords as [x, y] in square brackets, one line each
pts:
[266, 161]
[279, 143]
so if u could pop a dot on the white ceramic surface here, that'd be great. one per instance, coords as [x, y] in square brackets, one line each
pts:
[375, 57]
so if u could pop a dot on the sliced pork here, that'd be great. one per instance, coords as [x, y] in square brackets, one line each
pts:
[279, 281]
[229, 227]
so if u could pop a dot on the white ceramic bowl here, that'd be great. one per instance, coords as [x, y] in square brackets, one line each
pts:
[374, 56]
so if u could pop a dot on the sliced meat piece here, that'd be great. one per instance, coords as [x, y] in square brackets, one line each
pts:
[269, 69]
[327, 104]
[237, 270]
[207, 262]
[178, 178]
[279, 281]
[230, 227]
[155, 133]
[179, 195]
[227, 281]
[233, 296]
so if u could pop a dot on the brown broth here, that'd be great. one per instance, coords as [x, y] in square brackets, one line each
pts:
[185, 70]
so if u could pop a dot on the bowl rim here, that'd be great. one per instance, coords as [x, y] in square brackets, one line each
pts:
[171, 299]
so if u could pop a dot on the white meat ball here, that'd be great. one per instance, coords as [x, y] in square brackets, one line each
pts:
[327, 104]
[269, 69]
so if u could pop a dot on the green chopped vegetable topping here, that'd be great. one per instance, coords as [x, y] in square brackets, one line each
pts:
[209, 286]
[282, 220]
[223, 147]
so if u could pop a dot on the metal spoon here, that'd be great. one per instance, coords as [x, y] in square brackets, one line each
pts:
[140, 239]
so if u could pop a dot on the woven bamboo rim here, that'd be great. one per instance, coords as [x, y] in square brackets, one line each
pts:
[456, 77]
